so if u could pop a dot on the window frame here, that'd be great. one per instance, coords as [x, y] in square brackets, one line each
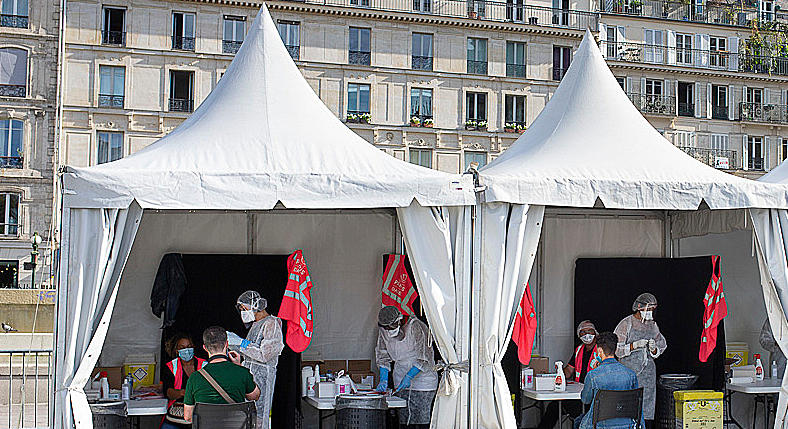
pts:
[14, 264]
[474, 155]
[516, 108]
[5, 208]
[109, 146]
[476, 96]
[422, 153]
[17, 90]
[11, 161]
[112, 96]
[288, 26]
[105, 28]
[565, 60]
[358, 87]
[513, 67]
[14, 18]
[360, 56]
[421, 101]
[421, 62]
[475, 63]
[754, 142]
[684, 46]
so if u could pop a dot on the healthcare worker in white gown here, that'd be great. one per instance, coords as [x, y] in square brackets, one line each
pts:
[260, 349]
[406, 342]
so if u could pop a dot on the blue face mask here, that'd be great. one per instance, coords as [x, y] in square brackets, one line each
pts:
[186, 354]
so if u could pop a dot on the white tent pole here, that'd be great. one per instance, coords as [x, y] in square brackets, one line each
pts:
[474, 363]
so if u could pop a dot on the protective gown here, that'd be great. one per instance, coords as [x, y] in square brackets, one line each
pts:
[641, 360]
[770, 344]
[261, 357]
[411, 347]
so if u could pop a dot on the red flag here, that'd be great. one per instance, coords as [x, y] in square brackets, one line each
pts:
[715, 310]
[398, 289]
[525, 327]
[296, 306]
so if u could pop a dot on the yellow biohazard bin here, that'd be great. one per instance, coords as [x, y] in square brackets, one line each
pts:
[698, 409]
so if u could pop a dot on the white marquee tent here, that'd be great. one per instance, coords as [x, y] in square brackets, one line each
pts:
[588, 146]
[262, 137]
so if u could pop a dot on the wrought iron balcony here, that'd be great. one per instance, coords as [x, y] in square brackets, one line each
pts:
[656, 54]
[294, 51]
[15, 21]
[359, 57]
[654, 104]
[686, 109]
[759, 112]
[231, 46]
[500, 11]
[515, 70]
[421, 63]
[113, 101]
[181, 105]
[558, 73]
[11, 162]
[477, 67]
[9, 229]
[183, 43]
[733, 14]
[116, 38]
[717, 158]
[763, 64]
[755, 163]
[719, 112]
[13, 90]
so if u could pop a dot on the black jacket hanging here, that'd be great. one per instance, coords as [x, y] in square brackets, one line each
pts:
[168, 287]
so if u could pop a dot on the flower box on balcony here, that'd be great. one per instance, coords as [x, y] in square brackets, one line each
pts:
[427, 123]
[359, 118]
[514, 128]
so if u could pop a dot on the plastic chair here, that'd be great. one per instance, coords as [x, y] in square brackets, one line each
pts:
[613, 404]
[226, 416]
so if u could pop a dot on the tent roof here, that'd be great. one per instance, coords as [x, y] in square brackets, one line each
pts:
[778, 174]
[591, 142]
[262, 136]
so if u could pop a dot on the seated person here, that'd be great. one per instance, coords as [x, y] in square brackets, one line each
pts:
[181, 349]
[609, 375]
[226, 369]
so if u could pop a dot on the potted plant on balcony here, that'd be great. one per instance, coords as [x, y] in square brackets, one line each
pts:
[521, 128]
[415, 121]
[471, 124]
[359, 118]
[427, 123]
[481, 125]
[510, 127]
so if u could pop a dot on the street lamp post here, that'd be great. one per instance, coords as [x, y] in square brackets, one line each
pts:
[35, 241]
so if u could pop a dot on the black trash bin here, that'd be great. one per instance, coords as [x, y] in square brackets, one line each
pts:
[109, 415]
[361, 411]
[665, 416]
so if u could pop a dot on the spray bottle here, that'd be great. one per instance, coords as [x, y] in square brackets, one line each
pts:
[560, 378]
[758, 367]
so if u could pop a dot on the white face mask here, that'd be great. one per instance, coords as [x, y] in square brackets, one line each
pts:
[393, 332]
[587, 338]
[646, 315]
[247, 316]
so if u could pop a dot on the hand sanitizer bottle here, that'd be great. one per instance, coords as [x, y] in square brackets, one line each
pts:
[560, 378]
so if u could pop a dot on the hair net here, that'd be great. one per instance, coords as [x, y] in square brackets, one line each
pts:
[253, 300]
[585, 324]
[388, 315]
[643, 300]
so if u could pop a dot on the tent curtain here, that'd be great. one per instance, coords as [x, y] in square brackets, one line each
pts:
[438, 243]
[510, 235]
[771, 231]
[95, 247]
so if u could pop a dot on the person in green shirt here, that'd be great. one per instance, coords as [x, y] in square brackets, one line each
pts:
[225, 368]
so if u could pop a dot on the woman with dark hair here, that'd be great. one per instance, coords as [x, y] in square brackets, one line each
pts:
[180, 347]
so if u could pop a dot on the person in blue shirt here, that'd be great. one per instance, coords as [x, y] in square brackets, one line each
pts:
[609, 375]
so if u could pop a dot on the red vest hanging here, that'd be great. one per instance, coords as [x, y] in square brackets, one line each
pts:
[296, 306]
[579, 361]
[177, 370]
[715, 310]
[525, 327]
[398, 289]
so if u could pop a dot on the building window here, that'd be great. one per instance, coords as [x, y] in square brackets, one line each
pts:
[358, 103]
[755, 95]
[684, 138]
[421, 107]
[515, 112]
[111, 86]
[719, 102]
[622, 82]
[234, 31]
[181, 91]
[719, 142]
[422, 5]
[364, 3]
[9, 208]
[686, 99]
[718, 52]
[422, 157]
[113, 30]
[755, 153]
[654, 46]
[515, 59]
[359, 48]
[479, 158]
[723, 158]
[183, 31]
[421, 58]
[562, 56]
[612, 41]
[110, 146]
[14, 14]
[13, 72]
[683, 48]
[783, 149]
[476, 111]
[653, 87]
[477, 56]
[9, 274]
[11, 143]
[289, 31]
[767, 10]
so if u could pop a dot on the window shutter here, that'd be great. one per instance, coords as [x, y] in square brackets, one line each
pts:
[603, 38]
[744, 153]
[622, 35]
[767, 96]
[676, 97]
[698, 53]
[666, 88]
[697, 99]
[671, 51]
[733, 48]
[642, 86]
[704, 45]
[628, 85]
[729, 97]
[708, 100]
[784, 97]
[766, 157]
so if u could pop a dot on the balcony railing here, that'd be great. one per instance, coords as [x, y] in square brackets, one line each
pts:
[515, 70]
[558, 72]
[294, 51]
[421, 63]
[9, 229]
[10, 162]
[681, 11]
[231, 46]
[717, 158]
[113, 101]
[500, 11]
[719, 112]
[359, 57]
[477, 67]
[12, 90]
[27, 380]
[654, 104]
[15, 21]
[181, 105]
[656, 54]
[763, 64]
[755, 163]
[759, 112]
[116, 38]
[183, 43]
[686, 109]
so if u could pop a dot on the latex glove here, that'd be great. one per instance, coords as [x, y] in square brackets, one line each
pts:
[652, 346]
[408, 378]
[639, 344]
[233, 339]
[384, 380]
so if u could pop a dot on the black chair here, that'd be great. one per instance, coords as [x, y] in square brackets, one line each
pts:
[226, 416]
[612, 404]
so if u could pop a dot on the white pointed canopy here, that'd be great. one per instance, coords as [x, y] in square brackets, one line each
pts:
[262, 136]
[591, 142]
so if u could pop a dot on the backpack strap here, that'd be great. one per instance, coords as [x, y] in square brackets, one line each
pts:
[216, 386]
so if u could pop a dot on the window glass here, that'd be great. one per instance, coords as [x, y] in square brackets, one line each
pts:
[110, 146]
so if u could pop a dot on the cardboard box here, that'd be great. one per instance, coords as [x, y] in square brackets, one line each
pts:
[326, 389]
[544, 383]
[334, 366]
[114, 375]
[541, 365]
[698, 409]
[359, 365]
